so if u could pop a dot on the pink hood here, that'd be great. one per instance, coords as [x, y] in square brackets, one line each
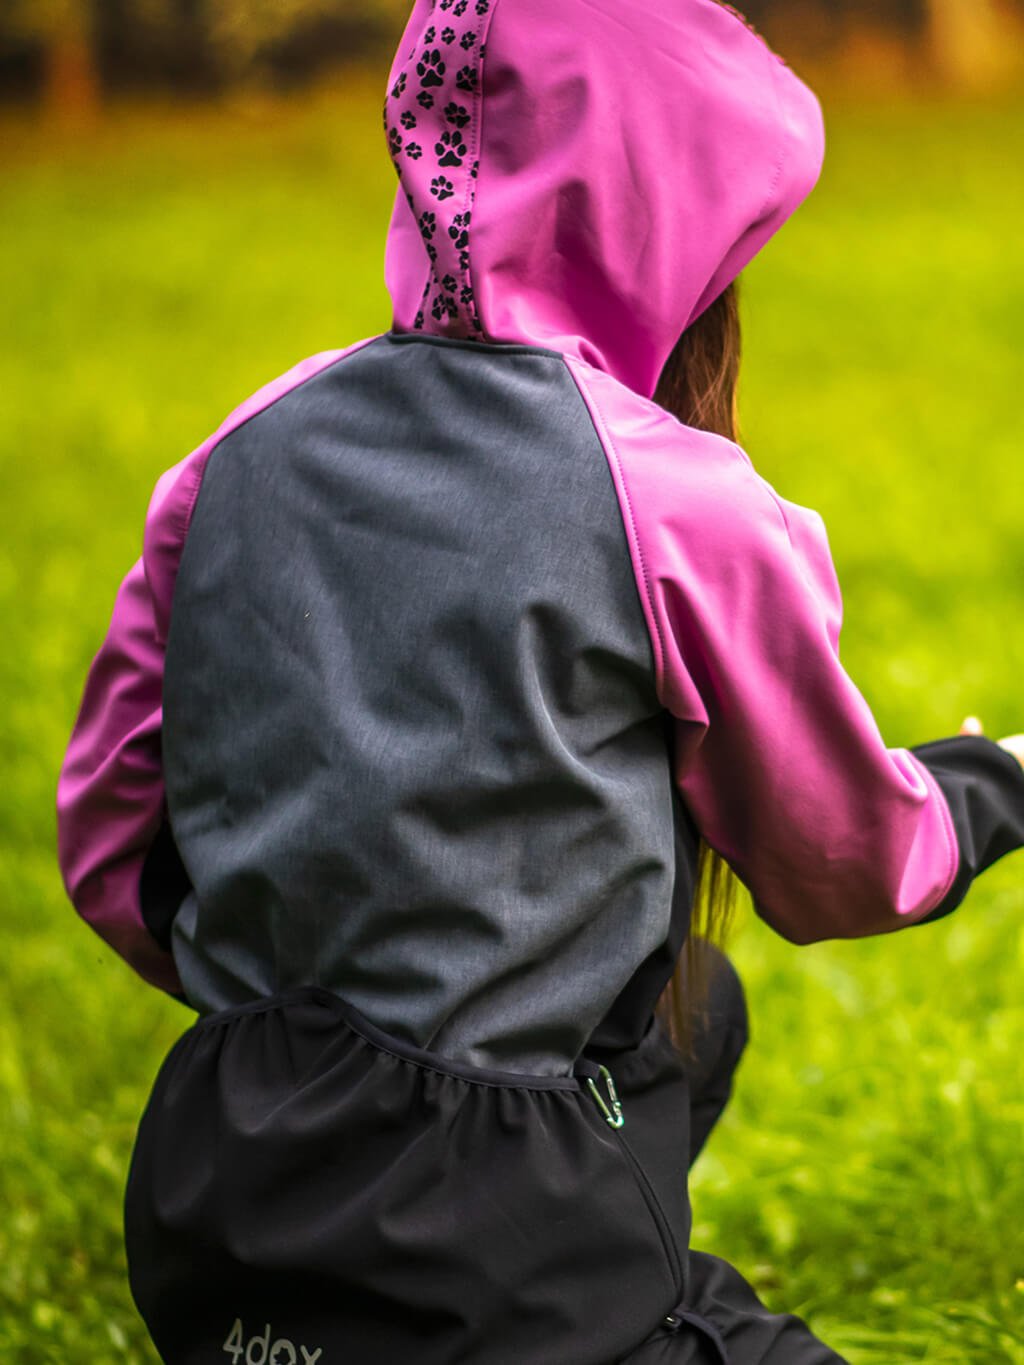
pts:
[587, 175]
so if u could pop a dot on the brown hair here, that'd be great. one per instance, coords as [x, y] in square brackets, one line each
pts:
[699, 386]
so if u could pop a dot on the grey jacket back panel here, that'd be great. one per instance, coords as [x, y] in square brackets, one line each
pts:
[412, 745]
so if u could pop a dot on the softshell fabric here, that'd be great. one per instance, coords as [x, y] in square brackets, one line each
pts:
[372, 1204]
[442, 655]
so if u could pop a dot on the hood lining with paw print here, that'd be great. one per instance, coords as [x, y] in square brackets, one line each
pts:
[432, 120]
[587, 176]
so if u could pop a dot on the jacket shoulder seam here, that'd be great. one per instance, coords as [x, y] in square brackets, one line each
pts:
[230, 426]
[607, 440]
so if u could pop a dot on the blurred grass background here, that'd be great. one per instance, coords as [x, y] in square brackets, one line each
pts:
[870, 1174]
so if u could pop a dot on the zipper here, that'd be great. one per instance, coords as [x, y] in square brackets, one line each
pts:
[612, 1112]
[671, 1250]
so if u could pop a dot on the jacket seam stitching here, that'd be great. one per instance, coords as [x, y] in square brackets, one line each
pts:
[604, 431]
[780, 159]
[473, 183]
[468, 344]
[220, 437]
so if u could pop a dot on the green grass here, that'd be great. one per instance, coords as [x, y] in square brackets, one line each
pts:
[870, 1174]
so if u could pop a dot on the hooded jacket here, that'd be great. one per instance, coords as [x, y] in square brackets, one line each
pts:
[441, 655]
[444, 648]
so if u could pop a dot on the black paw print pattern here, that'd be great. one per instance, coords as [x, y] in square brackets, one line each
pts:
[445, 307]
[457, 114]
[431, 68]
[451, 150]
[459, 230]
[437, 94]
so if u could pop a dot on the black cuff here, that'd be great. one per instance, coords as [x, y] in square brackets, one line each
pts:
[984, 787]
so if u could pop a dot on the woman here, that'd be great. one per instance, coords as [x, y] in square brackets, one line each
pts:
[445, 658]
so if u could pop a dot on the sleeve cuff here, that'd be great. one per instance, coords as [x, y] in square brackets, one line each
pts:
[983, 785]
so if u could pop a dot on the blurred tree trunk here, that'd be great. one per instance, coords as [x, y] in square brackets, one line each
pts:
[64, 32]
[72, 85]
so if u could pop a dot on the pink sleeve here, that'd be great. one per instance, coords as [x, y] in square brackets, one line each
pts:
[778, 755]
[110, 794]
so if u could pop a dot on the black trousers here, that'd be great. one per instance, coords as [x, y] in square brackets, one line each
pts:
[721, 1320]
[305, 1188]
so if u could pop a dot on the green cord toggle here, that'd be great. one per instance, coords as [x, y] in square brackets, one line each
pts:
[614, 1116]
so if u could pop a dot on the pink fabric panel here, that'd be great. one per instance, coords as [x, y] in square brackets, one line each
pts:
[777, 753]
[633, 157]
[110, 795]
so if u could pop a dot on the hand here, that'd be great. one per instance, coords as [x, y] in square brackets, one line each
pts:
[1013, 744]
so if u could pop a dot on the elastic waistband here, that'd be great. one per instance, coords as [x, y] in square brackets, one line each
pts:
[583, 1070]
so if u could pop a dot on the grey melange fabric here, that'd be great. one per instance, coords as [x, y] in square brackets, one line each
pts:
[412, 745]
